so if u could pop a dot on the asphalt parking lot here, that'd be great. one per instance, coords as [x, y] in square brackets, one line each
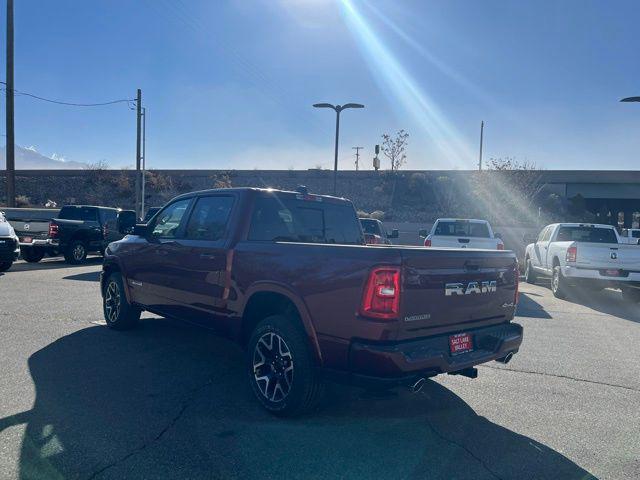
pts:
[169, 400]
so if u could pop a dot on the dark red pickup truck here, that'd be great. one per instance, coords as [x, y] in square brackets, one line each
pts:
[287, 274]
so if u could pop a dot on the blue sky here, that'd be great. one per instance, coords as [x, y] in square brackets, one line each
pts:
[230, 83]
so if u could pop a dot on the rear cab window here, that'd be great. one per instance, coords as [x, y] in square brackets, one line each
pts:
[305, 219]
[462, 228]
[370, 226]
[585, 233]
[87, 214]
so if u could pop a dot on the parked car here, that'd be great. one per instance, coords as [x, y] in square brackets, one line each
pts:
[375, 233]
[287, 274]
[589, 255]
[32, 227]
[630, 236]
[9, 247]
[81, 229]
[462, 233]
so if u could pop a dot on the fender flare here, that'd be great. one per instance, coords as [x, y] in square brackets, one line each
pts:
[108, 262]
[298, 302]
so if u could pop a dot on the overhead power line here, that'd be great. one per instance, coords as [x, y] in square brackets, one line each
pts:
[128, 101]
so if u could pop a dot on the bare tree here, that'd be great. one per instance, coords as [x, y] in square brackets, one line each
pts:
[394, 148]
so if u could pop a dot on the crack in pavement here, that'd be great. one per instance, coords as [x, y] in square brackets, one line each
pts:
[193, 394]
[533, 372]
[463, 447]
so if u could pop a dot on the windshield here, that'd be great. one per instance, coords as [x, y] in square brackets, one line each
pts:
[371, 227]
[587, 234]
[462, 229]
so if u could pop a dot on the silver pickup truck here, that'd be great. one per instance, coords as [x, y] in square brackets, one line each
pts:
[32, 227]
[589, 255]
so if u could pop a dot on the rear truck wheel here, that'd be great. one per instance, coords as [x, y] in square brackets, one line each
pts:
[4, 266]
[631, 295]
[32, 255]
[118, 312]
[529, 274]
[559, 285]
[281, 369]
[76, 252]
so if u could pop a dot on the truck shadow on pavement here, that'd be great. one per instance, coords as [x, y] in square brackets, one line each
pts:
[52, 264]
[170, 400]
[528, 307]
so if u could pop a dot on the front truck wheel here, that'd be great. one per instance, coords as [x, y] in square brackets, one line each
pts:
[118, 312]
[281, 368]
[529, 273]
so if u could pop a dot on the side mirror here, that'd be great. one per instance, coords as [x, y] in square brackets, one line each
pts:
[126, 221]
[423, 233]
[394, 233]
[140, 229]
[498, 235]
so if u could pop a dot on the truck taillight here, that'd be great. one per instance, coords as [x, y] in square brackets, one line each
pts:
[427, 242]
[53, 230]
[572, 254]
[105, 230]
[381, 296]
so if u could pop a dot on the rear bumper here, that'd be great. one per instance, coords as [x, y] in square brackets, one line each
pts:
[36, 242]
[402, 362]
[578, 274]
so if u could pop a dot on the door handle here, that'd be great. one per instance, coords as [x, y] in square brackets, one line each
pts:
[207, 256]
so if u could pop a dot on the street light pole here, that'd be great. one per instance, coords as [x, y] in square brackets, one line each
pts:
[144, 157]
[337, 109]
[10, 145]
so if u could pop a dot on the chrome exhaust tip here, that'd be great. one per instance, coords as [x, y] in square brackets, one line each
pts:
[506, 359]
[416, 387]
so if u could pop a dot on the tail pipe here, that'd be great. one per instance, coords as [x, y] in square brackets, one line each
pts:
[506, 359]
[417, 386]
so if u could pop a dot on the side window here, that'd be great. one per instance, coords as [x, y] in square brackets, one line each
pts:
[108, 216]
[209, 218]
[168, 220]
[547, 234]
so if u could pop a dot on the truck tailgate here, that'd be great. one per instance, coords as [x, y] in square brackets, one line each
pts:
[445, 290]
[608, 255]
[449, 241]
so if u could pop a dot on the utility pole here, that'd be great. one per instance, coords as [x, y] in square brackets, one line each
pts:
[10, 148]
[357, 149]
[144, 156]
[138, 148]
[481, 135]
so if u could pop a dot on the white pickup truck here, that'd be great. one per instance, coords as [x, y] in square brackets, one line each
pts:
[462, 233]
[630, 236]
[589, 255]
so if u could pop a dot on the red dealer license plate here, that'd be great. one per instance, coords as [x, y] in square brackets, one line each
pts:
[460, 343]
[27, 239]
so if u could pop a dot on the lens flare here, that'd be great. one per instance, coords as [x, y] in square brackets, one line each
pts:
[393, 77]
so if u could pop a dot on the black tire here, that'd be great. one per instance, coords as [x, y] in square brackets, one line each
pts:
[631, 295]
[4, 266]
[118, 312]
[32, 255]
[281, 369]
[559, 285]
[529, 273]
[76, 252]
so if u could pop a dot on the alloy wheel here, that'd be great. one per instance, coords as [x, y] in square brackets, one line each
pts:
[78, 252]
[112, 302]
[273, 367]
